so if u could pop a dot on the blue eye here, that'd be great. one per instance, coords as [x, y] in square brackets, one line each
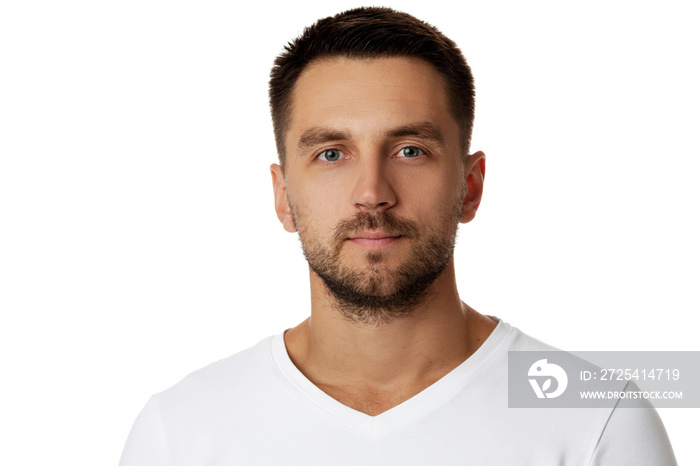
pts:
[410, 152]
[330, 155]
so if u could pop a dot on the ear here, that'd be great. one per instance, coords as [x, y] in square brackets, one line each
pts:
[474, 170]
[279, 186]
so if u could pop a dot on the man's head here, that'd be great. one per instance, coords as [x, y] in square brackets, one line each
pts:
[376, 178]
[365, 33]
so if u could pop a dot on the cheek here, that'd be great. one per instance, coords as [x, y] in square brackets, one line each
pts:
[322, 195]
[315, 211]
[430, 196]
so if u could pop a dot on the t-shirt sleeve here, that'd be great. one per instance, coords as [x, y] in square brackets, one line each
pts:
[634, 437]
[146, 444]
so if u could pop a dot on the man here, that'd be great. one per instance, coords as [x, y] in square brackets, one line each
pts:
[373, 112]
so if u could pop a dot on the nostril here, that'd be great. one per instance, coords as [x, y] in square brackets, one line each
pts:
[373, 189]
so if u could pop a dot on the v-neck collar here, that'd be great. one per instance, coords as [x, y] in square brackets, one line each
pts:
[407, 412]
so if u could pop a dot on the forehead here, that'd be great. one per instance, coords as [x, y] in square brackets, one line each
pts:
[362, 96]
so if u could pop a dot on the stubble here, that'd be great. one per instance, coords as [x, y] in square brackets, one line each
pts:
[375, 294]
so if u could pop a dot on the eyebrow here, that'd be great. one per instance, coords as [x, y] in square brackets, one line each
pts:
[423, 130]
[317, 136]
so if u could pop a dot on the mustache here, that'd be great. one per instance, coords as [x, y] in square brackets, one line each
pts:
[374, 221]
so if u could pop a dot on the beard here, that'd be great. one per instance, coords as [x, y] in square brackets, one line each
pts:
[374, 293]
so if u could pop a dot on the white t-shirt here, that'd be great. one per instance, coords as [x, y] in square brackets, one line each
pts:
[257, 408]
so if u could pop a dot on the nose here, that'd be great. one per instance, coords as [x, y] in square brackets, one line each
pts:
[373, 189]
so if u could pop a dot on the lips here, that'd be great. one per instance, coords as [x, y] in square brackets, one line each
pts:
[373, 229]
[373, 239]
[373, 235]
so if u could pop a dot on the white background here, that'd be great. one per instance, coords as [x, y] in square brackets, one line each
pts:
[138, 239]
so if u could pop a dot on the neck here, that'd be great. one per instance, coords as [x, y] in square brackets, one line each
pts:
[413, 351]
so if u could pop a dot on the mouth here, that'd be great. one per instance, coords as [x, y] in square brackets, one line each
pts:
[374, 239]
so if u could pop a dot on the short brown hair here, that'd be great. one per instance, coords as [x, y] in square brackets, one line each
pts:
[371, 33]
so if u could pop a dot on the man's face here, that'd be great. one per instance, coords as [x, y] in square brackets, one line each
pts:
[374, 180]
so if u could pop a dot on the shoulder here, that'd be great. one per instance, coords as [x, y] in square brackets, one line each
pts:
[204, 408]
[236, 376]
[616, 433]
[634, 436]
